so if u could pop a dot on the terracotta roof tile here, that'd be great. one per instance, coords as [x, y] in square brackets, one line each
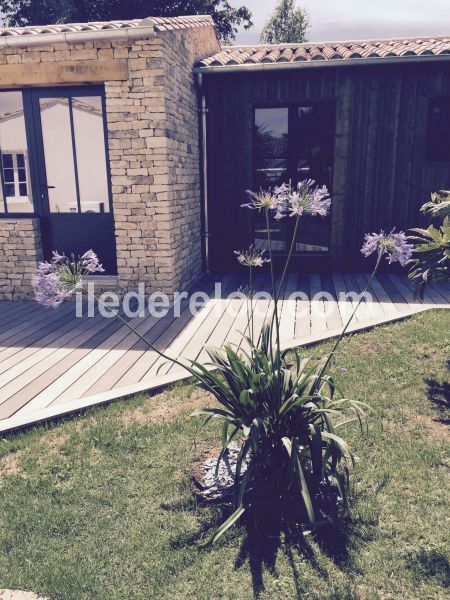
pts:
[328, 52]
[158, 24]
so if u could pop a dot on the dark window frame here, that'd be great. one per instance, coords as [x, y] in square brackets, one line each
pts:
[430, 157]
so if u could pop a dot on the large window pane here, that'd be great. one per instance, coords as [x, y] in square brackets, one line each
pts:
[90, 151]
[271, 153]
[271, 145]
[314, 142]
[58, 153]
[313, 145]
[15, 191]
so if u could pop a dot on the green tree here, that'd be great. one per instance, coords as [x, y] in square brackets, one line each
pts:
[287, 25]
[17, 13]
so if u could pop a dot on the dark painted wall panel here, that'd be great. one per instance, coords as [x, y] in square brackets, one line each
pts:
[381, 177]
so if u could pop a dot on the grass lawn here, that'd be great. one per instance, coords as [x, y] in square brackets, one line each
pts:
[99, 506]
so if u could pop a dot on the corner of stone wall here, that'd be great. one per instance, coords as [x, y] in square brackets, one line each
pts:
[155, 161]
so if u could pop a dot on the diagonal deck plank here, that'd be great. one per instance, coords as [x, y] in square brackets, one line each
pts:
[303, 309]
[52, 363]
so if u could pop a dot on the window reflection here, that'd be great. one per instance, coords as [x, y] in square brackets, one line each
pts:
[314, 143]
[74, 149]
[15, 191]
[271, 154]
[271, 145]
[90, 150]
[58, 153]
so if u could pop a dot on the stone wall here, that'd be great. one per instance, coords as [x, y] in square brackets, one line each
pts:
[155, 161]
[153, 137]
[20, 253]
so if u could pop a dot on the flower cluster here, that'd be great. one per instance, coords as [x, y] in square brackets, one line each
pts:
[394, 245]
[251, 257]
[305, 198]
[261, 200]
[57, 280]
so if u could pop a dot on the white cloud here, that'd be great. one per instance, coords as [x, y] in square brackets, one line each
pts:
[359, 19]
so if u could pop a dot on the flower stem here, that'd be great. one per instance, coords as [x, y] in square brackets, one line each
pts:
[288, 259]
[289, 256]
[341, 335]
[272, 275]
[251, 327]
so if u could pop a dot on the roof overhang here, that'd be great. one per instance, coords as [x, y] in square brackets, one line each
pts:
[315, 64]
[75, 33]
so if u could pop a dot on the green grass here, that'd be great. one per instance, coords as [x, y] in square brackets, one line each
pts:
[99, 506]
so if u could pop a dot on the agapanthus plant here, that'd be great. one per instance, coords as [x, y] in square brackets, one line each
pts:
[393, 246]
[306, 198]
[288, 415]
[285, 412]
[251, 257]
[59, 279]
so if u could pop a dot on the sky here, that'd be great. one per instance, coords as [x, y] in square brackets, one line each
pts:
[358, 19]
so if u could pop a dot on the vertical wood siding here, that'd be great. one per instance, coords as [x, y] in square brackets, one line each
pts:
[381, 176]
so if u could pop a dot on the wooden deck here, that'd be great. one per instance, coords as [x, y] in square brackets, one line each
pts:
[52, 363]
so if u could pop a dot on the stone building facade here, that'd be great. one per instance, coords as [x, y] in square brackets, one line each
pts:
[152, 115]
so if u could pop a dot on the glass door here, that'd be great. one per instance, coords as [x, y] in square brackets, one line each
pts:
[293, 143]
[73, 172]
[16, 196]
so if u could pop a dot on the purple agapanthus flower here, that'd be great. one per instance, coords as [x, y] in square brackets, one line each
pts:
[393, 245]
[308, 198]
[260, 200]
[305, 198]
[90, 262]
[251, 257]
[57, 280]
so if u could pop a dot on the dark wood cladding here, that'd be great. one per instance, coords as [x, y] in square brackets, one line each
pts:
[380, 176]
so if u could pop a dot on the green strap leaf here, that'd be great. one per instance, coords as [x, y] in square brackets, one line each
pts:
[226, 525]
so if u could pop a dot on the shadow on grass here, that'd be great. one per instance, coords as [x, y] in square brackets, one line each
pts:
[262, 540]
[260, 548]
[439, 395]
[430, 564]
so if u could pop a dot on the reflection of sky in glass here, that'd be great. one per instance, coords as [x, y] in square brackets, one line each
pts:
[10, 102]
[92, 101]
[274, 121]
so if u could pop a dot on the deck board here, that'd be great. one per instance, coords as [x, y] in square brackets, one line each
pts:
[52, 363]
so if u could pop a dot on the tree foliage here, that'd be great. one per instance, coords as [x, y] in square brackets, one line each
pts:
[19, 13]
[287, 25]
